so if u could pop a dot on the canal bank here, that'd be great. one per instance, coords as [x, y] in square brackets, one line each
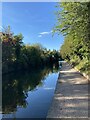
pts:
[71, 95]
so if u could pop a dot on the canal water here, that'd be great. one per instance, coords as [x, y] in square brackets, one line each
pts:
[29, 94]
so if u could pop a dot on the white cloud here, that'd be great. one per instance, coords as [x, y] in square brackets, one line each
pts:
[44, 33]
[1, 27]
[39, 35]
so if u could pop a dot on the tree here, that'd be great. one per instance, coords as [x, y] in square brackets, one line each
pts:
[74, 24]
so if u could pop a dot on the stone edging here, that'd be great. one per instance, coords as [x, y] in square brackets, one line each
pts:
[84, 74]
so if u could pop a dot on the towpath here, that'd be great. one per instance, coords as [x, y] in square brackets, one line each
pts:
[71, 98]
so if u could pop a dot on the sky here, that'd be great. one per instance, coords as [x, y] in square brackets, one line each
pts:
[35, 20]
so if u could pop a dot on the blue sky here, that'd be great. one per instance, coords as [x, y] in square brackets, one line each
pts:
[34, 20]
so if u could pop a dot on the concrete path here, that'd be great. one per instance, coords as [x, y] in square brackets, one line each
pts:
[71, 95]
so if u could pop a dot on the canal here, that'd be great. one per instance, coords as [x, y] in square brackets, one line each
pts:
[29, 94]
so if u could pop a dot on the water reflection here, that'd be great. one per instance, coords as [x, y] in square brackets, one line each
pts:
[16, 87]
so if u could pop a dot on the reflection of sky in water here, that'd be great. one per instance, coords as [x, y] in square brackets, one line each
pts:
[47, 88]
[0, 116]
[38, 101]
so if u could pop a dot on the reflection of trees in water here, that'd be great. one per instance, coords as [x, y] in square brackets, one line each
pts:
[17, 85]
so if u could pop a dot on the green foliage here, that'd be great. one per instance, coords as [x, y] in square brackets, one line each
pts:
[74, 24]
[16, 55]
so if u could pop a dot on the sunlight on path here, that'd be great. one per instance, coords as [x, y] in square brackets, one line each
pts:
[71, 95]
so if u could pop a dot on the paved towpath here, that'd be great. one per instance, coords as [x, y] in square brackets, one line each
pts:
[71, 95]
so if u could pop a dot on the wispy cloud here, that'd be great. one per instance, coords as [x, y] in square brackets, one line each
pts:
[39, 35]
[44, 33]
[1, 27]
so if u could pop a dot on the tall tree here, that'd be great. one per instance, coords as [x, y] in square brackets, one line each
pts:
[74, 24]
